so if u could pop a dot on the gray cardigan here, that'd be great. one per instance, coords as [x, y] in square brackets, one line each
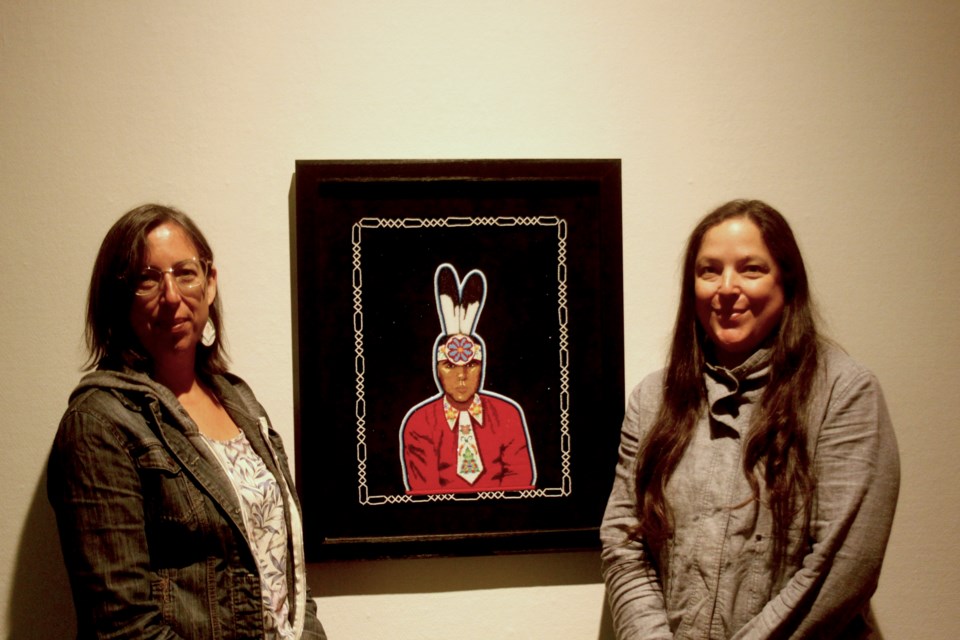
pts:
[715, 578]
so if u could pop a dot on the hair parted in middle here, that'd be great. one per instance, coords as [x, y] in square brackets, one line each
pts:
[110, 338]
[776, 446]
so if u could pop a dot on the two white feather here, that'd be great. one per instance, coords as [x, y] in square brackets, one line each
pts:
[455, 317]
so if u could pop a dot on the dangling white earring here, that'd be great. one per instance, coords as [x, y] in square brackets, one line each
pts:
[209, 335]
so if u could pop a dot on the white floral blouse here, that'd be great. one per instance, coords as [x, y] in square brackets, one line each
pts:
[262, 504]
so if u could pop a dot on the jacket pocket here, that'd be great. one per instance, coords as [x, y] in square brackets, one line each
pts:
[171, 504]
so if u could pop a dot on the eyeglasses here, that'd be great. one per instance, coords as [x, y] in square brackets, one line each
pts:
[189, 275]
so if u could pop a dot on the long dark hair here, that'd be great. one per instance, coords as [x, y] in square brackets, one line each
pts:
[776, 446]
[111, 342]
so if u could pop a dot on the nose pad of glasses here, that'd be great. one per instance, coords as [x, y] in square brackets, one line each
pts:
[170, 287]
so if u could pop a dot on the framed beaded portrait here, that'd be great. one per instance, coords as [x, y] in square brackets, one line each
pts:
[458, 335]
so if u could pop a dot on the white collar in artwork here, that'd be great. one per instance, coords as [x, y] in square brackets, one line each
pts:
[453, 415]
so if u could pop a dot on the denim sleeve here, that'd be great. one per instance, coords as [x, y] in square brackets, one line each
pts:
[95, 490]
[857, 471]
[633, 587]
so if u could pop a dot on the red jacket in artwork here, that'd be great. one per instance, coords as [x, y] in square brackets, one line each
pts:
[429, 445]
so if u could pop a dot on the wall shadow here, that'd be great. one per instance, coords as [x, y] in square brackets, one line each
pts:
[40, 605]
[447, 574]
[442, 575]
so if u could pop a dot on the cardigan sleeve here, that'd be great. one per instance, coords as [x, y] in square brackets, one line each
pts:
[633, 586]
[857, 473]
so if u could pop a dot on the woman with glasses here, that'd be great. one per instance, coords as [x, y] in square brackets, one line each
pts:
[758, 472]
[176, 509]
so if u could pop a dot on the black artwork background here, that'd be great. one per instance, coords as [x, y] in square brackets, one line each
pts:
[519, 325]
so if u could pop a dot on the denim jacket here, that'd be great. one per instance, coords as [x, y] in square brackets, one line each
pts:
[714, 578]
[150, 525]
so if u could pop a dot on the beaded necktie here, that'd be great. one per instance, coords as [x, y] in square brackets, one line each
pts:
[469, 464]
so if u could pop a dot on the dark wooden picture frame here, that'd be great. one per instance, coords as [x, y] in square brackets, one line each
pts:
[368, 238]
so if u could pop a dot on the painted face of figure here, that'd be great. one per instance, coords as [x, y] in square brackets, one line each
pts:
[171, 319]
[738, 290]
[459, 382]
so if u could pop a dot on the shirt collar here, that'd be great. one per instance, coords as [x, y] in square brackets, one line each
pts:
[451, 413]
[758, 361]
[731, 393]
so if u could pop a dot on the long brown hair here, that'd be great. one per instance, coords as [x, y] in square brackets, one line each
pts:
[110, 339]
[776, 446]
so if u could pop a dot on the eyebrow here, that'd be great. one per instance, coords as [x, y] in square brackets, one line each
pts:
[746, 258]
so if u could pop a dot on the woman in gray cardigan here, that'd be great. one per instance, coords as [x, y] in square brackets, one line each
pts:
[758, 472]
[176, 509]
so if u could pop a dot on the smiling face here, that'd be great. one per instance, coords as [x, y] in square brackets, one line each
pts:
[170, 323]
[739, 294]
[459, 382]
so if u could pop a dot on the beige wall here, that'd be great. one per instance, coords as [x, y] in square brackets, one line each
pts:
[843, 115]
